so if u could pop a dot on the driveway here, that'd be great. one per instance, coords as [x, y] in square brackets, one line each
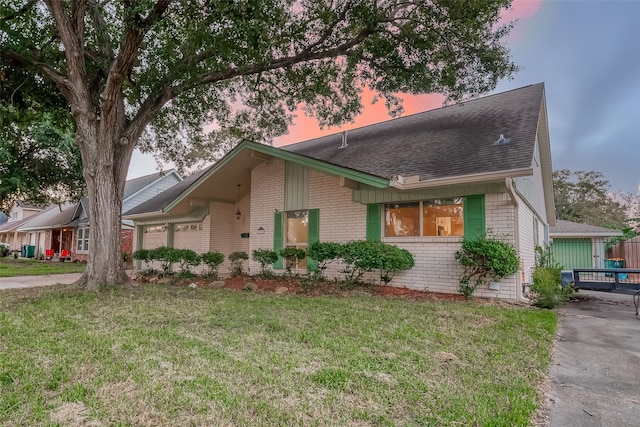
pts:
[594, 378]
[32, 281]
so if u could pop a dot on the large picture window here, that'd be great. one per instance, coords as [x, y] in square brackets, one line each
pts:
[438, 217]
[83, 239]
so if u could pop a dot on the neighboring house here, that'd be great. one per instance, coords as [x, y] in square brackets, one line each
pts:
[422, 182]
[9, 230]
[66, 228]
[22, 211]
[575, 245]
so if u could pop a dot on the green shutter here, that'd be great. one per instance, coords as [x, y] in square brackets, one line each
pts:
[314, 236]
[474, 225]
[277, 239]
[374, 225]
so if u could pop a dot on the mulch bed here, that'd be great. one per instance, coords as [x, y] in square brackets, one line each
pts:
[294, 286]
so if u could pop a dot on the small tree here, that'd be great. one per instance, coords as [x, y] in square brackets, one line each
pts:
[485, 258]
[237, 263]
[292, 256]
[265, 257]
[212, 260]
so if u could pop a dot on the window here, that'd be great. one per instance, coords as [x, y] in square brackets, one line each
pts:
[297, 233]
[83, 239]
[187, 227]
[14, 215]
[155, 229]
[439, 217]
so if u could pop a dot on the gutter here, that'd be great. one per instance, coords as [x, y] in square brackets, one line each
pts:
[413, 183]
[516, 236]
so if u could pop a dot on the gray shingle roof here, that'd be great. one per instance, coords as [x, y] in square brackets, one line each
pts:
[136, 184]
[452, 141]
[158, 202]
[575, 228]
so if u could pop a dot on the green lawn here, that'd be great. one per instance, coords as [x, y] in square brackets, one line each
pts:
[10, 267]
[162, 355]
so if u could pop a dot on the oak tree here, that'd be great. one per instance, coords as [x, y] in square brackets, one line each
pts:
[187, 79]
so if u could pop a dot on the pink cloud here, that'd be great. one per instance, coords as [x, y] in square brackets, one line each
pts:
[305, 128]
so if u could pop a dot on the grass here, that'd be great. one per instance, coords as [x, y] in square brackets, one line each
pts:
[11, 267]
[161, 355]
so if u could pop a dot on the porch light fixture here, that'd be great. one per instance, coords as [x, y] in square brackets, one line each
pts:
[238, 213]
[260, 230]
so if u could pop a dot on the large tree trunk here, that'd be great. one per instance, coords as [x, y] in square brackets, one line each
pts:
[106, 265]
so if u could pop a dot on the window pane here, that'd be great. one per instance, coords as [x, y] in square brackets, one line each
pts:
[86, 233]
[297, 228]
[402, 219]
[443, 217]
[79, 245]
[86, 245]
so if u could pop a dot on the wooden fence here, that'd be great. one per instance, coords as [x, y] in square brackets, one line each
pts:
[628, 250]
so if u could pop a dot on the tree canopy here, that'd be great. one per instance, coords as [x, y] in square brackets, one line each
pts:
[585, 197]
[188, 79]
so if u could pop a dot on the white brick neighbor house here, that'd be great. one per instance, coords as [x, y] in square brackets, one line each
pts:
[421, 182]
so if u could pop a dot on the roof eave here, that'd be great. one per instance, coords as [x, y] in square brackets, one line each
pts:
[584, 234]
[361, 177]
[143, 215]
[463, 179]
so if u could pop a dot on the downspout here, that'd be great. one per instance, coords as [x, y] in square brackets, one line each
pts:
[516, 235]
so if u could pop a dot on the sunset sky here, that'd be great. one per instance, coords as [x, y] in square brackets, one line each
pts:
[588, 55]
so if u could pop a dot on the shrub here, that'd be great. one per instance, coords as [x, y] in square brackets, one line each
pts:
[547, 289]
[143, 255]
[237, 263]
[212, 260]
[324, 253]
[361, 256]
[166, 256]
[265, 257]
[484, 258]
[292, 256]
[187, 259]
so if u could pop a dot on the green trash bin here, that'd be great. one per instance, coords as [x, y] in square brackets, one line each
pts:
[29, 251]
[615, 263]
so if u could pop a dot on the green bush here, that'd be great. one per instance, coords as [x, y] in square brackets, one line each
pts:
[547, 288]
[361, 256]
[187, 259]
[292, 256]
[485, 258]
[166, 256]
[237, 263]
[324, 253]
[265, 257]
[212, 260]
[143, 255]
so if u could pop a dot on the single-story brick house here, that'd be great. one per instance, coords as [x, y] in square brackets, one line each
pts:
[421, 182]
[66, 227]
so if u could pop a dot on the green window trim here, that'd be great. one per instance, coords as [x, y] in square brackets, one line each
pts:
[278, 239]
[313, 236]
[374, 222]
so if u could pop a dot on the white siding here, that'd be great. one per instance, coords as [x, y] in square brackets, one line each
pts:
[153, 190]
[531, 187]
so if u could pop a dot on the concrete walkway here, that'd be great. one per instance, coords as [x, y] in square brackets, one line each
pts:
[594, 378]
[33, 281]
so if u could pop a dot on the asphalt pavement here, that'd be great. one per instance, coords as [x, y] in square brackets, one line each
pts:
[594, 379]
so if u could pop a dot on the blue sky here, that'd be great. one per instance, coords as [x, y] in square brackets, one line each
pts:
[588, 55]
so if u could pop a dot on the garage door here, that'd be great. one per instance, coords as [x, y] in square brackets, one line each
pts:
[187, 236]
[573, 253]
[154, 236]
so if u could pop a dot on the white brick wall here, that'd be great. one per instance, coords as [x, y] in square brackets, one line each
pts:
[342, 220]
[267, 191]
